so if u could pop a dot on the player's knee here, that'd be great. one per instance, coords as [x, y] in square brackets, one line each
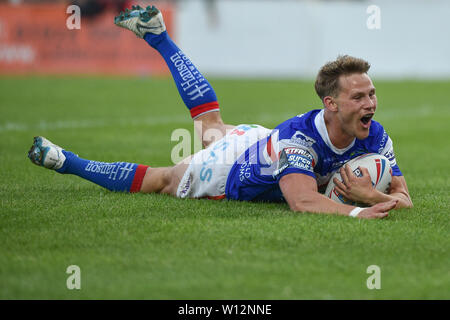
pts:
[210, 118]
[210, 128]
[170, 181]
[209, 121]
[167, 177]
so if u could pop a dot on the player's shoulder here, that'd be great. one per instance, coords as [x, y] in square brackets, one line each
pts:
[302, 123]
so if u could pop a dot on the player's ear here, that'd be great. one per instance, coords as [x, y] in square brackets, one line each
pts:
[330, 103]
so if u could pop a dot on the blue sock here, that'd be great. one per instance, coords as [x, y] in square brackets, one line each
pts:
[117, 176]
[196, 92]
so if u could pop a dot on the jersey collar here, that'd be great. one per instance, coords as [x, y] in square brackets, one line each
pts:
[319, 122]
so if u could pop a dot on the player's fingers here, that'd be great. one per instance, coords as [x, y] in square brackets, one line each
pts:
[339, 183]
[390, 205]
[349, 172]
[386, 206]
[341, 191]
[344, 176]
[364, 171]
[373, 215]
[379, 215]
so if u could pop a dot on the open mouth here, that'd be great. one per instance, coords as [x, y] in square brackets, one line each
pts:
[365, 120]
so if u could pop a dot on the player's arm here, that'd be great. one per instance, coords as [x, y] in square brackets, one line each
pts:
[371, 196]
[300, 192]
[360, 189]
[398, 190]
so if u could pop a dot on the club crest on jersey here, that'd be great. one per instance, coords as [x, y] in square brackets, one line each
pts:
[302, 139]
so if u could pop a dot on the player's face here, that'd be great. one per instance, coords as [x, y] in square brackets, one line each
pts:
[356, 104]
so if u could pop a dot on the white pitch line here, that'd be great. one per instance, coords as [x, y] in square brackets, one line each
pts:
[387, 113]
[90, 123]
[100, 123]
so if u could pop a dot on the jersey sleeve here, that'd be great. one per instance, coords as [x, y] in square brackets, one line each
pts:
[387, 149]
[295, 154]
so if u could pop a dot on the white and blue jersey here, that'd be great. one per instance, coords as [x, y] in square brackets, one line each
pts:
[299, 145]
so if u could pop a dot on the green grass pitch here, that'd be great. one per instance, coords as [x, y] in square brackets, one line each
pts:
[135, 246]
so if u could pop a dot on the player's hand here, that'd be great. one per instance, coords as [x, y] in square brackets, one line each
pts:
[378, 211]
[355, 188]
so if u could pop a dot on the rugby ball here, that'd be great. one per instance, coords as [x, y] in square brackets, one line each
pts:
[380, 173]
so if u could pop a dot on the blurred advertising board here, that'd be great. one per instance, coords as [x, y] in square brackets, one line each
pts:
[35, 39]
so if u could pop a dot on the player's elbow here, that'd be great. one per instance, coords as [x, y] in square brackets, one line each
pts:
[407, 204]
[297, 207]
[405, 201]
[301, 205]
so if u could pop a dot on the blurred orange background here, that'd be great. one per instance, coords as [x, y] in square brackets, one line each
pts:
[34, 38]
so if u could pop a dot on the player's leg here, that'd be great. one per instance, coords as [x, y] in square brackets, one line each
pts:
[164, 180]
[195, 91]
[116, 176]
[211, 128]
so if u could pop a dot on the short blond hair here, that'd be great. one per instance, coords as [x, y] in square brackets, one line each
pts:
[327, 81]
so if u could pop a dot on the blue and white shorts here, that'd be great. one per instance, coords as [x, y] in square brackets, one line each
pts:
[206, 176]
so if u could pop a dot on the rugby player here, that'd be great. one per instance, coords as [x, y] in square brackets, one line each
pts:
[291, 163]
